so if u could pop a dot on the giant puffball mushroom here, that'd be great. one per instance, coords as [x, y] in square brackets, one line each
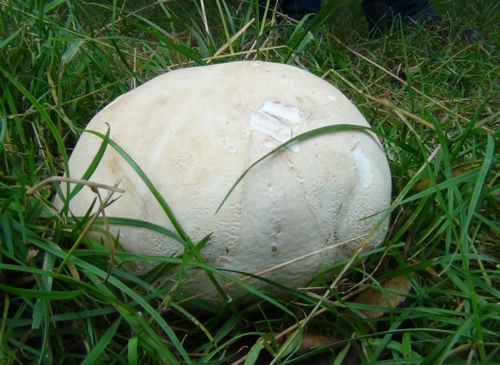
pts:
[194, 131]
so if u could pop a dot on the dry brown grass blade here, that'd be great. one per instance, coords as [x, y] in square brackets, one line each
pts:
[391, 74]
[90, 184]
[389, 299]
[386, 103]
[102, 204]
[276, 267]
[434, 101]
[232, 40]
[204, 16]
[311, 340]
[91, 222]
[111, 242]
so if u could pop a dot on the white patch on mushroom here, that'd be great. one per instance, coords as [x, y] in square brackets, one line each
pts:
[271, 126]
[271, 120]
[294, 146]
[363, 165]
[332, 98]
[281, 111]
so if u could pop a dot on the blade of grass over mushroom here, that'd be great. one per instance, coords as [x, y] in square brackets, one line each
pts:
[148, 183]
[363, 242]
[220, 272]
[189, 252]
[88, 173]
[143, 224]
[354, 255]
[159, 198]
[259, 275]
[301, 137]
[132, 257]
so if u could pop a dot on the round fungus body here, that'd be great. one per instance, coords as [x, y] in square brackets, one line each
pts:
[194, 132]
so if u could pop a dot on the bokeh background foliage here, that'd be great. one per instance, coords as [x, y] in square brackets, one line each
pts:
[430, 93]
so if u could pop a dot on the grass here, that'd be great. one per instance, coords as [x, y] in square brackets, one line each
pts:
[433, 96]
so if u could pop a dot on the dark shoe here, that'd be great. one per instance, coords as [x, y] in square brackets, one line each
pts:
[471, 35]
[439, 25]
[436, 23]
[384, 15]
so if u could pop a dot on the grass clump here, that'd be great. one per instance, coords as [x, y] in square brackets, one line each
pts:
[433, 96]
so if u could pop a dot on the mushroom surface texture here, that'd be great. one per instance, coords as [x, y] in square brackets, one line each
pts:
[194, 131]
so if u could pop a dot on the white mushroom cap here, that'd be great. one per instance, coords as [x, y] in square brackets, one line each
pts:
[194, 131]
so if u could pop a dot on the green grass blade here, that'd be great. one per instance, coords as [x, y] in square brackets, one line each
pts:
[132, 351]
[149, 184]
[45, 116]
[93, 356]
[313, 133]
[42, 294]
[166, 209]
